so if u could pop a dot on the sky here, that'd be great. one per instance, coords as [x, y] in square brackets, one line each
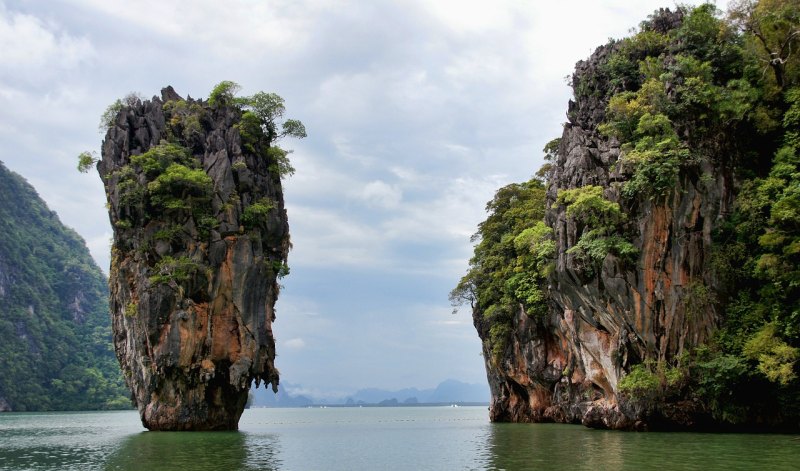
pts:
[417, 111]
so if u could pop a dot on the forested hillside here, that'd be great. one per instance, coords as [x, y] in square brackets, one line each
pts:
[55, 329]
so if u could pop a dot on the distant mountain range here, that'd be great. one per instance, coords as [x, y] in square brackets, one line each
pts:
[447, 392]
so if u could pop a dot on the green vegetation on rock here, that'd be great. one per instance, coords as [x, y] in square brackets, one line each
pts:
[679, 94]
[168, 180]
[603, 220]
[512, 260]
[194, 189]
[261, 125]
[676, 96]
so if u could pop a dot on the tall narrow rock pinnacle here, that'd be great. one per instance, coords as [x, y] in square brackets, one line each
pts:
[200, 238]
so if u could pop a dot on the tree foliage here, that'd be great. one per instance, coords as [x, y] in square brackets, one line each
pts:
[600, 225]
[56, 351]
[86, 160]
[262, 124]
[773, 29]
[223, 94]
[110, 115]
[511, 262]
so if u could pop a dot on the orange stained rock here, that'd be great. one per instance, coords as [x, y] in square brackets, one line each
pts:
[193, 334]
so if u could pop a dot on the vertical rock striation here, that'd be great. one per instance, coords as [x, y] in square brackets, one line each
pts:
[200, 236]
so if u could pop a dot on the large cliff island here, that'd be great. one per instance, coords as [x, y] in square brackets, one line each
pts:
[649, 276]
[200, 238]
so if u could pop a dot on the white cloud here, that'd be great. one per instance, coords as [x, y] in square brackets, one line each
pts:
[471, 16]
[381, 194]
[240, 29]
[330, 237]
[32, 48]
[452, 213]
[295, 343]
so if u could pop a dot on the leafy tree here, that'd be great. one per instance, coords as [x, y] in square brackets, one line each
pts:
[550, 151]
[223, 94]
[601, 220]
[110, 115]
[775, 26]
[512, 259]
[262, 124]
[86, 160]
[269, 109]
[257, 212]
[776, 358]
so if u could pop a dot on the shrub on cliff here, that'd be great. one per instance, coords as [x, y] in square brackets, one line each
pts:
[262, 124]
[601, 221]
[512, 259]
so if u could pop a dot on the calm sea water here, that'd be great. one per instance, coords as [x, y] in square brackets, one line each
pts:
[415, 438]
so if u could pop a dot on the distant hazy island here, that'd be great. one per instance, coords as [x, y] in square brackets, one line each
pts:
[447, 392]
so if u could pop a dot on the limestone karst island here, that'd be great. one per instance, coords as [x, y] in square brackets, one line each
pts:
[649, 276]
[645, 278]
[200, 238]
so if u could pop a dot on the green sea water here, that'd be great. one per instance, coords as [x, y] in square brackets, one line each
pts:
[405, 438]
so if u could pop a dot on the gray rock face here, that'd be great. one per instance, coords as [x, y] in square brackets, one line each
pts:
[566, 367]
[193, 281]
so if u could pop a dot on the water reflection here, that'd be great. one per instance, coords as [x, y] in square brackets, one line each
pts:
[196, 451]
[556, 446]
[550, 446]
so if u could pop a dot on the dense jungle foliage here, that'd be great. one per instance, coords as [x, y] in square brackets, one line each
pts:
[55, 332]
[713, 90]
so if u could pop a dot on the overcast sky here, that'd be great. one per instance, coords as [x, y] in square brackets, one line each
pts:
[416, 111]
